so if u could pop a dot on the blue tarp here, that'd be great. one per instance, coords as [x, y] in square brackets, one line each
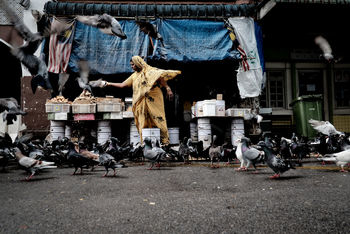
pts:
[259, 43]
[193, 40]
[183, 40]
[107, 54]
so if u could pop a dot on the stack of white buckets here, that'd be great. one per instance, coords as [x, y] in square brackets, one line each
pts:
[204, 132]
[104, 131]
[57, 129]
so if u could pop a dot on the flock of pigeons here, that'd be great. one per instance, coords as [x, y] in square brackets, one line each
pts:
[279, 154]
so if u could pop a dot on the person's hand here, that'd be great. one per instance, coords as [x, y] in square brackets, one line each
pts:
[169, 93]
[104, 84]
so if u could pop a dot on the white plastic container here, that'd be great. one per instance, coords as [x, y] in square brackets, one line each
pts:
[67, 131]
[237, 123]
[57, 129]
[104, 131]
[194, 131]
[134, 134]
[153, 133]
[199, 109]
[209, 108]
[220, 107]
[204, 132]
[174, 134]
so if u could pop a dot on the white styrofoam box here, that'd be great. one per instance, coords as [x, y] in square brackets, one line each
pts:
[55, 108]
[174, 136]
[128, 114]
[238, 112]
[209, 108]
[113, 115]
[220, 108]
[109, 107]
[57, 116]
[83, 108]
[151, 132]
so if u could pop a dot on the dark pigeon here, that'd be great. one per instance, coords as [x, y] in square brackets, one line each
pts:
[10, 105]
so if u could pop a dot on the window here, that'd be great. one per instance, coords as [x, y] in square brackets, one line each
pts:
[342, 88]
[273, 95]
[310, 82]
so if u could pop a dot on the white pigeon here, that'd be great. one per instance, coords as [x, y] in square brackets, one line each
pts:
[31, 165]
[325, 47]
[341, 159]
[239, 155]
[324, 127]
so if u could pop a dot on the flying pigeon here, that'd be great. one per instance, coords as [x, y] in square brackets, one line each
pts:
[150, 30]
[325, 47]
[25, 53]
[106, 23]
[341, 158]
[278, 165]
[324, 127]
[83, 79]
[98, 83]
[31, 165]
[11, 108]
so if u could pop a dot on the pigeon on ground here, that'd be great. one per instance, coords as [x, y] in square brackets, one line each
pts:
[11, 108]
[31, 165]
[251, 154]
[324, 127]
[107, 161]
[106, 23]
[153, 154]
[341, 158]
[239, 156]
[184, 150]
[25, 53]
[278, 165]
[215, 152]
[76, 159]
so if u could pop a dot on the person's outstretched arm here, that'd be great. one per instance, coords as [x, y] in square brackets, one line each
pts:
[118, 85]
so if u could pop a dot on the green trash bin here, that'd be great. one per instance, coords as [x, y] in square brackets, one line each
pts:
[305, 108]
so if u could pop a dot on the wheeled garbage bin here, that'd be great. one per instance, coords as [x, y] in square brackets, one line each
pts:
[305, 108]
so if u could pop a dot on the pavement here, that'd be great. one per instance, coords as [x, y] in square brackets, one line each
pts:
[176, 198]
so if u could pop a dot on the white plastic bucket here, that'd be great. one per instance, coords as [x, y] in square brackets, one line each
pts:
[134, 134]
[54, 123]
[194, 131]
[67, 131]
[174, 134]
[204, 131]
[104, 124]
[57, 129]
[104, 131]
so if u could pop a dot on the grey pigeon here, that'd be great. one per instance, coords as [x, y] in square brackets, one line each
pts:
[215, 151]
[325, 47]
[25, 53]
[31, 165]
[97, 83]
[251, 154]
[11, 108]
[106, 23]
[153, 154]
[278, 165]
[107, 160]
[324, 127]
[83, 79]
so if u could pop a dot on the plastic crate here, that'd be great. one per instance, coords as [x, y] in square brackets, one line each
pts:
[56, 108]
[109, 107]
[83, 108]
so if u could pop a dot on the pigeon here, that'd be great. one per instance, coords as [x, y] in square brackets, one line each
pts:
[31, 165]
[25, 53]
[215, 151]
[62, 80]
[324, 127]
[184, 150]
[83, 79]
[285, 151]
[11, 108]
[107, 160]
[278, 165]
[150, 30]
[341, 158]
[251, 154]
[78, 160]
[239, 156]
[153, 154]
[106, 23]
[326, 49]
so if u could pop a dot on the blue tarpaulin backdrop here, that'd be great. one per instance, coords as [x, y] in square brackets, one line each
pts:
[183, 40]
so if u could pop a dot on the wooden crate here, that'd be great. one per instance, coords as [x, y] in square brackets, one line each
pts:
[56, 108]
[109, 107]
[83, 108]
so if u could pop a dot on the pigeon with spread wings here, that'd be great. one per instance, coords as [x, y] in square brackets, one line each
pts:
[324, 127]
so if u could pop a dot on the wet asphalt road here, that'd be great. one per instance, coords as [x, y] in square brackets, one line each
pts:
[176, 199]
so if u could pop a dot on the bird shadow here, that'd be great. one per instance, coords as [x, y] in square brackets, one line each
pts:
[160, 169]
[115, 177]
[36, 179]
[286, 178]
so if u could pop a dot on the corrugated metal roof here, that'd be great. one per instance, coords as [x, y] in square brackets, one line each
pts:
[124, 10]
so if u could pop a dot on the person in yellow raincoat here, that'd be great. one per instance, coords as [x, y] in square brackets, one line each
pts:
[147, 98]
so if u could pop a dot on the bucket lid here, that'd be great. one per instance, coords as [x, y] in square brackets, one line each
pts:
[306, 98]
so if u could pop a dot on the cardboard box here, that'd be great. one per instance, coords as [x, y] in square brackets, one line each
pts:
[219, 97]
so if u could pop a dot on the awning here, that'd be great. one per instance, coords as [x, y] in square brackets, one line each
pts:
[124, 10]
